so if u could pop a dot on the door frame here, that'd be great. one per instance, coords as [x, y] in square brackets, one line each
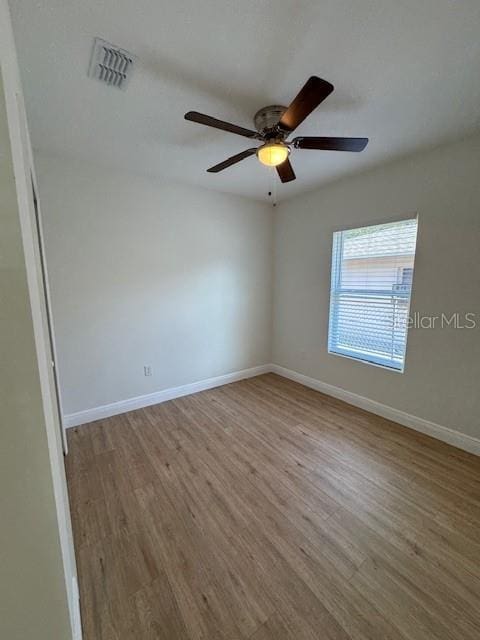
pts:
[22, 159]
[48, 307]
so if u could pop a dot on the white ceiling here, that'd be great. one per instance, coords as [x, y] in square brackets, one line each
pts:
[406, 75]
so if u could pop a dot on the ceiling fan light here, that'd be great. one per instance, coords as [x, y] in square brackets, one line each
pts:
[272, 153]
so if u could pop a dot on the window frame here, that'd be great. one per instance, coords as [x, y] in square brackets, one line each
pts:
[335, 288]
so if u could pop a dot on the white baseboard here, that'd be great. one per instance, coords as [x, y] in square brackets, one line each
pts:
[455, 438]
[115, 408]
[76, 617]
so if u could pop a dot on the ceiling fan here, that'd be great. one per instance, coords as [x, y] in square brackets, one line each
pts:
[273, 126]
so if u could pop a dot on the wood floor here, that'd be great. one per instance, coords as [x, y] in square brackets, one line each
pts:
[268, 511]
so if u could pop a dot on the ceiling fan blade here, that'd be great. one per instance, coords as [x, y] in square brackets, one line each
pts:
[201, 118]
[233, 160]
[285, 171]
[313, 92]
[330, 144]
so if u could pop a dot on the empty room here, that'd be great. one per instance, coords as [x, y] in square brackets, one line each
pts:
[240, 320]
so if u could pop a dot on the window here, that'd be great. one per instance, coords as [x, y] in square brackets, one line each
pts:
[372, 273]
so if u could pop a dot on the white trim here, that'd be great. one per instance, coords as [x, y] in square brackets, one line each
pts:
[23, 170]
[373, 222]
[76, 616]
[48, 297]
[138, 402]
[455, 438]
[385, 367]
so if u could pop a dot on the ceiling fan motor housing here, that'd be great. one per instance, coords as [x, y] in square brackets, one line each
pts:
[266, 120]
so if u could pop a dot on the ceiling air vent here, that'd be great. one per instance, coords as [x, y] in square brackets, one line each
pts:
[110, 64]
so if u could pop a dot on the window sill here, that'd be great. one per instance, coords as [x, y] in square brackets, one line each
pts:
[385, 367]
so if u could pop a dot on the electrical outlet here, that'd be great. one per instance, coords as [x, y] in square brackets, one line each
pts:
[147, 370]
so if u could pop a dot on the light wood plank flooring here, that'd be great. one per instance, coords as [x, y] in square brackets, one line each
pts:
[265, 510]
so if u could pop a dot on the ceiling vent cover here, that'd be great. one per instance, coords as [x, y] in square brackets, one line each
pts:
[110, 64]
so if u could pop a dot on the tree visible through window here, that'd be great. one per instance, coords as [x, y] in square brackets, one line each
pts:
[372, 274]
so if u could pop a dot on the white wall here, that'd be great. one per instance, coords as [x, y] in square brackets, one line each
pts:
[441, 378]
[144, 273]
[180, 279]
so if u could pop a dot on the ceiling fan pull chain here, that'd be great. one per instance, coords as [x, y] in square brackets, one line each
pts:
[273, 173]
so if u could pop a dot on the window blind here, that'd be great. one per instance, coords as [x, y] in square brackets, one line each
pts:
[372, 273]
